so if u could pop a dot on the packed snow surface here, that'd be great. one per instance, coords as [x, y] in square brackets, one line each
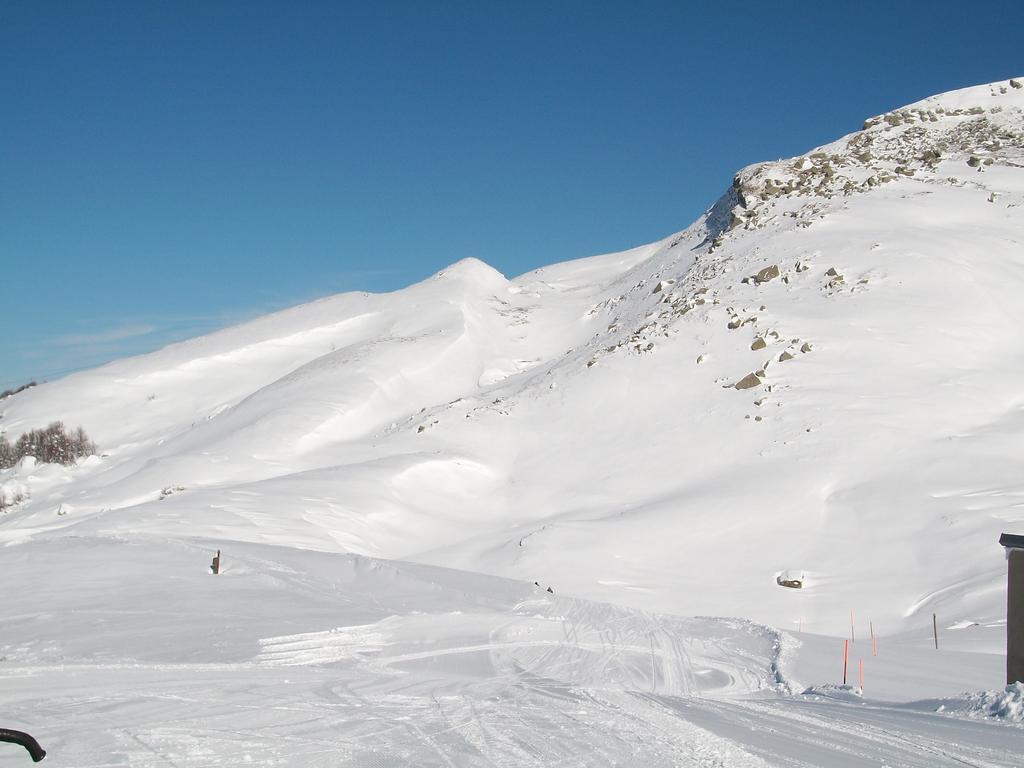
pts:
[292, 657]
[816, 383]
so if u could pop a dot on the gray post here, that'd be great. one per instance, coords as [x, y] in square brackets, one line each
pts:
[1015, 616]
[1014, 546]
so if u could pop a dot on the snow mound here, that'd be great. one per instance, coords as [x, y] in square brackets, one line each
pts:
[1007, 704]
[12, 492]
[834, 691]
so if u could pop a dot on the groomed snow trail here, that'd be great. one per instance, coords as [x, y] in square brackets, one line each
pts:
[392, 664]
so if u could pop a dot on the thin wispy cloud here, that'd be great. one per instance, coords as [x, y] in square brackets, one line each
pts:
[89, 343]
[119, 333]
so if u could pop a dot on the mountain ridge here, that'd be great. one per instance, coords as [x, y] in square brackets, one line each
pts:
[581, 424]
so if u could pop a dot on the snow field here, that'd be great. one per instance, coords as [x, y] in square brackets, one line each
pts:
[387, 663]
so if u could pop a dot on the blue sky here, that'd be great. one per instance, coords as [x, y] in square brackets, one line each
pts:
[170, 167]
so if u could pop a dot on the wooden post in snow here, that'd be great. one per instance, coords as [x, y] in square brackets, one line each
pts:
[215, 565]
[1014, 547]
[846, 657]
[935, 630]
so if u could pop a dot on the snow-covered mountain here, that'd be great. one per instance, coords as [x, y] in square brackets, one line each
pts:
[820, 376]
[818, 380]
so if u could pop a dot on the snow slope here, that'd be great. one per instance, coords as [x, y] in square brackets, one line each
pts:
[315, 659]
[579, 426]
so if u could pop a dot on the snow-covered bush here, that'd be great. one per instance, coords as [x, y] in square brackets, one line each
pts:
[9, 392]
[7, 457]
[52, 445]
[11, 493]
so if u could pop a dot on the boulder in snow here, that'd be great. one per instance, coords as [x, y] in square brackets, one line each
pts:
[749, 381]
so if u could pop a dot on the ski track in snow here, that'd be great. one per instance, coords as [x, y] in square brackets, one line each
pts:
[228, 716]
[549, 681]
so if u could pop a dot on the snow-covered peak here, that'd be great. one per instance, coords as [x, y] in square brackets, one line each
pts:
[819, 377]
[998, 94]
[474, 272]
[981, 126]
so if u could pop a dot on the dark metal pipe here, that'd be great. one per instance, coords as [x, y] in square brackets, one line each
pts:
[19, 737]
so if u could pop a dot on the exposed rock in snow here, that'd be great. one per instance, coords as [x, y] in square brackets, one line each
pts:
[749, 381]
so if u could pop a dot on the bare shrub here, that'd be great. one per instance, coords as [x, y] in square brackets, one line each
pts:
[53, 445]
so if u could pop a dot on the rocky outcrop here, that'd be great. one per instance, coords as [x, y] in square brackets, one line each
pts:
[896, 145]
[749, 381]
